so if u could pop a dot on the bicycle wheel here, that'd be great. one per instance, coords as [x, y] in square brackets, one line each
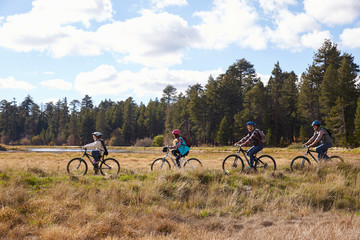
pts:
[110, 166]
[77, 167]
[336, 159]
[300, 163]
[265, 163]
[160, 164]
[232, 164]
[192, 163]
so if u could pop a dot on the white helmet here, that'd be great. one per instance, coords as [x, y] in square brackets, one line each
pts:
[98, 134]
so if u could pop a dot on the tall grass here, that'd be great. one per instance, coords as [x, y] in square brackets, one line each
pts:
[321, 203]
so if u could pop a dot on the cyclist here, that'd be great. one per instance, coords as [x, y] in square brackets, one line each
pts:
[181, 149]
[321, 135]
[253, 137]
[99, 151]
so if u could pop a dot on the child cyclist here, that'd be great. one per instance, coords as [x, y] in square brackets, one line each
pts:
[99, 149]
[180, 147]
[253, 137]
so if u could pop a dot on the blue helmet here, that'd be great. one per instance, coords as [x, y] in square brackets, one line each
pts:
[250, 123]
[316, 123]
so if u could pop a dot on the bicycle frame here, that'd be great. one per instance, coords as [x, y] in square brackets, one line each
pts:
[86, 154]
[181, 160]
[244, 152]
[309, 151]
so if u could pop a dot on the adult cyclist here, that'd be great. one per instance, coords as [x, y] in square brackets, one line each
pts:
[253, 137]
[321, 136]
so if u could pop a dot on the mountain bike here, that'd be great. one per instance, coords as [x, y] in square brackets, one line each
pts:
[234, 163]
[162, 164]
[79, 167]
[303, 162]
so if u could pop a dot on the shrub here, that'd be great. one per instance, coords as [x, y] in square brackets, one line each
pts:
[158, 141]
[36, 140]
[25, 141]
[146, 142]
[5, 140]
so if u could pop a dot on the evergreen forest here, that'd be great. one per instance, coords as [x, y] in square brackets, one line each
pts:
[212, 115]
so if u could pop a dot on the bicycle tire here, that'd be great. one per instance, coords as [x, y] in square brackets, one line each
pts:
[160, 164]
[231, 164]
[77, 167]
[336, 159]
[109, 166]
[265, 163]
[300, 163]
[193, 164]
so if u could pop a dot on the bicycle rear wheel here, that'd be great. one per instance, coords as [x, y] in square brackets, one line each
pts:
[160, 164]
[265, 163]
[300, 163]
[77, 167]
[193, 164]
[110, 166]
[232, 164]
[336, 159]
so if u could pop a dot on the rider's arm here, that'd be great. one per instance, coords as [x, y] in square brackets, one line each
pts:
[178, 144]
[311, 139]
[242, 140]
[318, 138]
[94, 145]
[250, 138]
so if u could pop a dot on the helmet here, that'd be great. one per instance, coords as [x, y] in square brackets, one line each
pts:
[250, 123]
[315, 123]
[98, 134]
[176, 131]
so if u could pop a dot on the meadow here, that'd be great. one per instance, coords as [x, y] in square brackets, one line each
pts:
[39, 200]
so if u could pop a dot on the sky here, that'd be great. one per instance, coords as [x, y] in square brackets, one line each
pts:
[115, 49]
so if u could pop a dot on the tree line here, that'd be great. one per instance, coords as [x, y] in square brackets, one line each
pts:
[214, 114]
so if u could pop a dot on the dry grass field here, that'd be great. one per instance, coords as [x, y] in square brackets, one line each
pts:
[40, 201]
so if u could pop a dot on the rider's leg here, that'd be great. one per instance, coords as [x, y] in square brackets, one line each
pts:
[321, 150]
[251, 153]
[177, 154]
[96, 155]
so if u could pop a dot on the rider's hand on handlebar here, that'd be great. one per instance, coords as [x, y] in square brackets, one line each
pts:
[305, 146]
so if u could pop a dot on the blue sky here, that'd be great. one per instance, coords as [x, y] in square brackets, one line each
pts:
[113, 49]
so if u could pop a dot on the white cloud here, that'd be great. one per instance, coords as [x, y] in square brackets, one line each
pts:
[289, 27]
[10, 82]
[350, 38]
[230, 21]
[275, 5]
[315, 39]
[106, 80]
[333, 12]
[42, 27]
[154, 40]
[57, 84]
[160, 4]
[264, 78]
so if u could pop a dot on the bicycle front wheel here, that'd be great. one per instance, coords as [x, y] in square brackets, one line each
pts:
[110, 166]
[192, 163]
[232, 164]
[77, 167]
[300, 163]
[160, 164]
[336, 159]
[265, 163]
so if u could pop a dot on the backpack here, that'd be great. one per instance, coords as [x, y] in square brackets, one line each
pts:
[105, 150]
[328, 131]
[188, 143]
[263, 137]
